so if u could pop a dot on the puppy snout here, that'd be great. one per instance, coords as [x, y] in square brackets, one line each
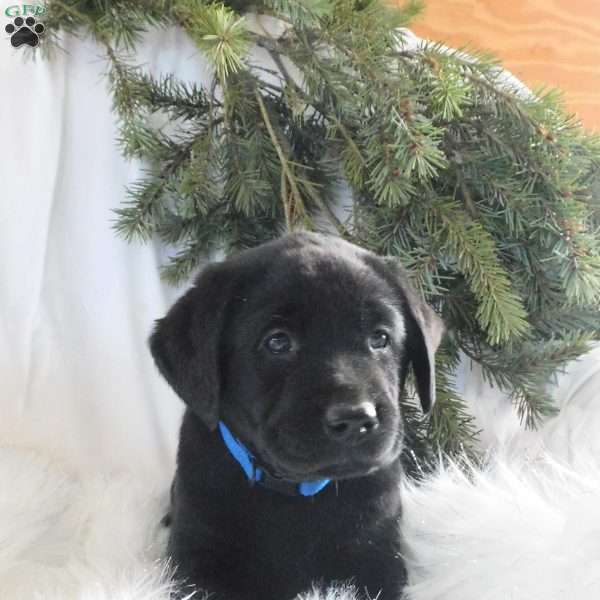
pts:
[351, 423]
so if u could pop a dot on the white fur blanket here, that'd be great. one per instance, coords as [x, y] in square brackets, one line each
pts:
[525, 528]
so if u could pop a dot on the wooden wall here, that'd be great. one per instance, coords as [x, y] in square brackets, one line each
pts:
[553, 42]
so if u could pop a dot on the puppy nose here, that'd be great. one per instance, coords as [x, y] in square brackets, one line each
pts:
[350, 422]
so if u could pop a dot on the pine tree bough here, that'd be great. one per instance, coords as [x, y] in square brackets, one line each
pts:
[487, 195]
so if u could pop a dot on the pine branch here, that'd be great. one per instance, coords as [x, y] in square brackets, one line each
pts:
[292, 202]
[500, 312]
[488, 194]
[219, 32]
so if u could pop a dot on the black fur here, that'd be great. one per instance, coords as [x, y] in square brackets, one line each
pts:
[246, 542]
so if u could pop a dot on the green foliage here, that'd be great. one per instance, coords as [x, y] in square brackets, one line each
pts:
[500, 312]
[300, 11]
[219, 33]
[487, 195]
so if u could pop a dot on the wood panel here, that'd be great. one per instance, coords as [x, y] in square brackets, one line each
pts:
[552, 42]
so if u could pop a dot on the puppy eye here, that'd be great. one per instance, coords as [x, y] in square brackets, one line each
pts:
[278, 343]
[378, 340]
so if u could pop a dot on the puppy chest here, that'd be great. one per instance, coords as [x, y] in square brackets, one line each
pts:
[277, 557]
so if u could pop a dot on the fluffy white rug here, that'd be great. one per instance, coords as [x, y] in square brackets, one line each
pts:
[527, 527]
[519, 530]
[66, 535]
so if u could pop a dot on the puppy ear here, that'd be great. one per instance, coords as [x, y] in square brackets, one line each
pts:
[424, 333]
[185, 344]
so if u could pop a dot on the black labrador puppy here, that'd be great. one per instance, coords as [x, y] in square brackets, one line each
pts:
[291, 359]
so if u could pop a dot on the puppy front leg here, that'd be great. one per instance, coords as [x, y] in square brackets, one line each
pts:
[203, 587]
[200, 571]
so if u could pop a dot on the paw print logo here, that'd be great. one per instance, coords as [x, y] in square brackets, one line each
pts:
[24, 31]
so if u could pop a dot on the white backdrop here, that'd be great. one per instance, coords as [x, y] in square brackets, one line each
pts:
[76, 302]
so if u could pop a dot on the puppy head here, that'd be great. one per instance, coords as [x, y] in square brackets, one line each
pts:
[301, 347]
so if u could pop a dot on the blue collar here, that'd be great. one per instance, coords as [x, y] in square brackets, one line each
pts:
[255, 473]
